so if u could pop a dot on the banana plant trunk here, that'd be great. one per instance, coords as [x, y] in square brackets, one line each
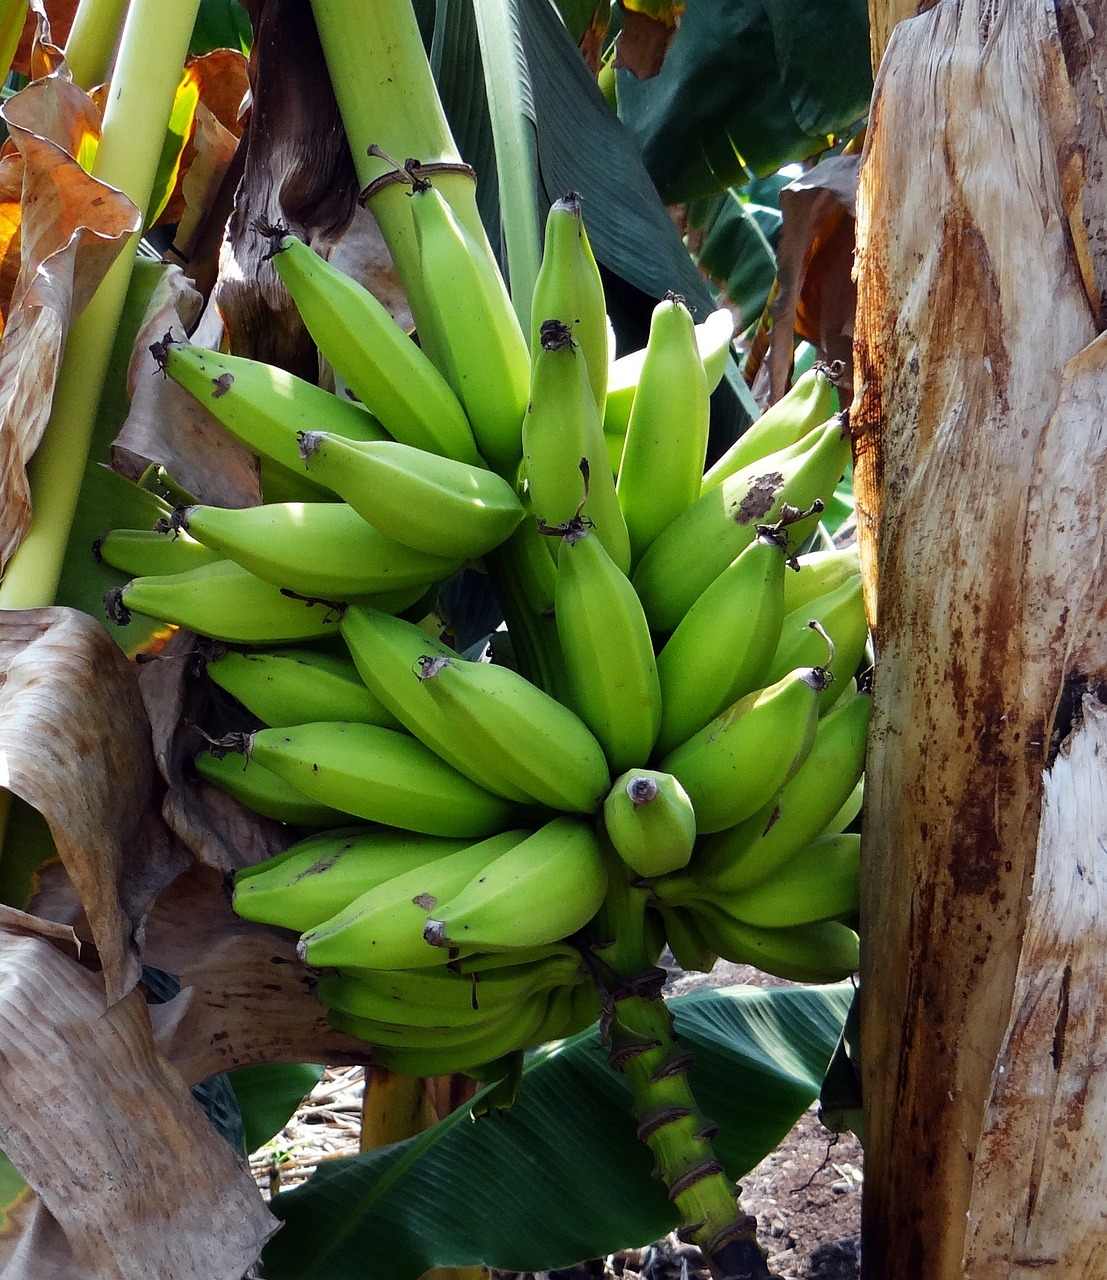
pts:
[981, 448]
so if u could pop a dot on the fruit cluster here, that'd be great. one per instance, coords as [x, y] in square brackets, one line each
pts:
[672, 705]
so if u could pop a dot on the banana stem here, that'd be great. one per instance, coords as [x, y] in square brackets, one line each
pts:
[152, 52]
[393, 1107]
[13, 13]
[513, 135]
[387, 98]
[639, 1028]
[90, 48]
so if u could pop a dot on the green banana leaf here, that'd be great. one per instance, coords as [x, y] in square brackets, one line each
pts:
[747, 86]
[738, 249]
[562, 1176]
[221, 24]
[269, 1094]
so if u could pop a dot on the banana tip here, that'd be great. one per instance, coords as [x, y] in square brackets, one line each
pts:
[434, 932]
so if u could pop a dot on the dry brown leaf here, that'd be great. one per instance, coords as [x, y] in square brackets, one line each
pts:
[106, 1132]
[245, 997]
[75, 744]
[647, 33]
[817, 295]
[168, 425]
[39, 53]
[72, 229]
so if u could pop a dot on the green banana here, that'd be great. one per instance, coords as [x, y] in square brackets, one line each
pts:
[650, 821]
[723, 644]
[848, 812]
[754, 849]
[666, 438]
[316, 878]
[321, 549]
[146, 552]
[807, 405]
[685, 938]
[826, 951]
[369, 351]
[818, 573]
[820, 882]
[794, 484]
[469, 329]
[264, 792]
[544, 888]
[568, 288]
[296, 686]
[841, 615]
[279, 484]
[610, 667]
[387, 652]
[438, 997]
[447, 1051]
[455, 510]
[713, 337]
[262, 406]
[382, 928]
[564, 455]
[376, 774]
[226, 602]
[737, 761]
[481, 962]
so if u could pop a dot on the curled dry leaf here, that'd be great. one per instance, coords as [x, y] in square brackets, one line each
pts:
[245, 997]
[76, 746]
[71, 228]
[817, 297]
[40, 46]
[167, 425]
[106, 1132]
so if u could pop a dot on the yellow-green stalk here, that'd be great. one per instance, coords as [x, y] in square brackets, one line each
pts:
[148, 70]
[12, 16]
[388, 100]
[93, 36]
[639, 1028]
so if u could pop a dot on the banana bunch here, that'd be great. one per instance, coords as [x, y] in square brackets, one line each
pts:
[679, 695]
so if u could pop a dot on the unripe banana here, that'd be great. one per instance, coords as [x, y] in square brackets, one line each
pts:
[227, 602]
[264, 792]
[819, 573]
[810, 402]
[713, 337]
[724, 643]
[847, 814]
[841, 615]
[666, 440]
[822, 952]
[377, 774]
[387, 652]
[650, 821]
[376, 359]
[689, 555]
[609, 660]
[518, 733]
[440, 997]
[469, 329]
[564, 455]
[542, 889]
[321, 549]
[320, 876]
[383, 927]
[685, 938]
[820, 882]
[148, 552]
[296, 686]
[451, 1051]
[753, 850]
[263, 407]
[742, 757]
[456, 510]
[568, 288]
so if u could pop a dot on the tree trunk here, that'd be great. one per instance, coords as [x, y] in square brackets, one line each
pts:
[981, 440]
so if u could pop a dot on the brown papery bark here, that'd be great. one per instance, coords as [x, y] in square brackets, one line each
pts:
[981, 474]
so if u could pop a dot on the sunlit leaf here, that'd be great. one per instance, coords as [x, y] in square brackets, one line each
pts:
[569, 1141]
